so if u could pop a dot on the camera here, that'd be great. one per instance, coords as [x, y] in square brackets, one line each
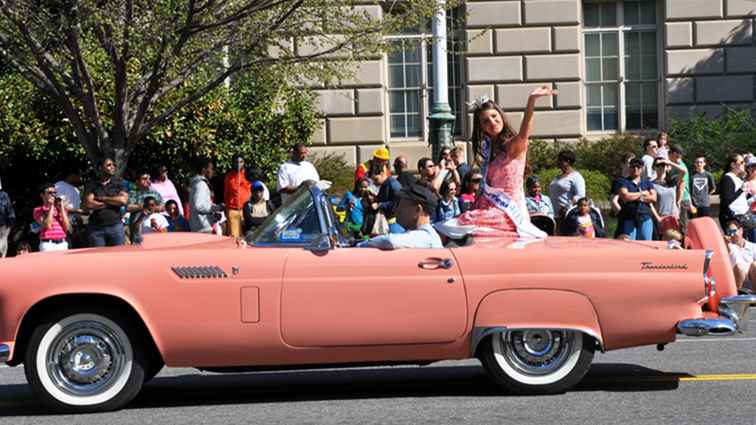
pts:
[58, 199]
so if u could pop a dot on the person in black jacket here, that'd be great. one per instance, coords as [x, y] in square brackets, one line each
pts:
[257, 209]
[730, 187]
[584, 220]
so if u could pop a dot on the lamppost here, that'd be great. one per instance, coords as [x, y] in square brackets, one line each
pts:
[441, 118]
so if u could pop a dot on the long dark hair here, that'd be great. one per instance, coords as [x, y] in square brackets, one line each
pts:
[477, 134]
[733, 157]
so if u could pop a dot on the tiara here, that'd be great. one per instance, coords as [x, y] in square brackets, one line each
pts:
[479, 101]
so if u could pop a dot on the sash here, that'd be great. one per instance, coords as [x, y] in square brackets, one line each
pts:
[500, 200]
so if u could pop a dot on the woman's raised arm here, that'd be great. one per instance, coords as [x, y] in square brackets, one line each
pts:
[519, 145]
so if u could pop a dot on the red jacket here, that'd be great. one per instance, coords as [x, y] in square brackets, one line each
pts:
[236, 190]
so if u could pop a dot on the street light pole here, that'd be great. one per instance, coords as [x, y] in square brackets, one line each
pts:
[441, 118]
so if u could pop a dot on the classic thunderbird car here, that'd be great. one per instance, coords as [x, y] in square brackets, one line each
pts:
[92, 325]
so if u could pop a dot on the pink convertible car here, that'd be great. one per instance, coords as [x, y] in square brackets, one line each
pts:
[91, 326]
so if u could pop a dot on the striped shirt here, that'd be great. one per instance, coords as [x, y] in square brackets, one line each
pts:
[55, 231]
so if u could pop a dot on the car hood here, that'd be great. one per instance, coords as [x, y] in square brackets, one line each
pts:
[164, 241]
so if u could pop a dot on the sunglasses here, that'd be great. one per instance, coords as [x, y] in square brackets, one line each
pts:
[51, 192]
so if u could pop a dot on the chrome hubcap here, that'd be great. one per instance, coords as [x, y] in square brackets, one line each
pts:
[86, 358]
[538, 351]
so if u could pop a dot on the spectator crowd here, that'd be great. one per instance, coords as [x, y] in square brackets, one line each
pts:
[653, 199]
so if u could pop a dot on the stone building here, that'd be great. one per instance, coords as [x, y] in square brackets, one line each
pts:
[619, 65]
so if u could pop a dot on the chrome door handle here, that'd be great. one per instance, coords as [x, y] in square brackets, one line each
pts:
[436, 263]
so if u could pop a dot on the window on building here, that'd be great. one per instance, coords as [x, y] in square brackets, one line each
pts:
[621, 65]
[410, 80]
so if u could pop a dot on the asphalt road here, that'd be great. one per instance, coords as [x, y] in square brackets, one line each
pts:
[694, 381]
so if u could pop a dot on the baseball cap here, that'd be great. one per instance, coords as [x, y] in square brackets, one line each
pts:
[751, 161]
[382, 153]
[420, 194]
[258, 185]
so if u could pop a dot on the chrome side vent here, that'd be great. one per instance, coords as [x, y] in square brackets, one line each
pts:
[200, 272]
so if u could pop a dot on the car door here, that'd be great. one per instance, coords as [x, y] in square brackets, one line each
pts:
[366, 296]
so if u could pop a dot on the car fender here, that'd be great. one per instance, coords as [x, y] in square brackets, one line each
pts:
[38, 309]
[534, 308]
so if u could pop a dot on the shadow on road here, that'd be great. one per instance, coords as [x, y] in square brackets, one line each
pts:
[343, 384]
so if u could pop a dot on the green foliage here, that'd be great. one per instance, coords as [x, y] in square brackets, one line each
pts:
[118, 70]
[734, 132]
[716, 174]
[597, 185]
[546, 176]
[334, 168]
[38, 145]
[245, 120]
[603, 155]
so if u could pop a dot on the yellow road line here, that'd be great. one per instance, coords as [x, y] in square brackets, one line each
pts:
[671, 378]
[721, 377]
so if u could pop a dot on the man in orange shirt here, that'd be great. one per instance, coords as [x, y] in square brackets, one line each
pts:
[380, 155]
[236, 191]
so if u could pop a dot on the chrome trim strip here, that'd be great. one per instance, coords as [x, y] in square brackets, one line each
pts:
[707, 260]
[479, 333]
[5, 352]
[709, 284]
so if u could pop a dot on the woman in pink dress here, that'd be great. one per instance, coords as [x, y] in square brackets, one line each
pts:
[500, 209]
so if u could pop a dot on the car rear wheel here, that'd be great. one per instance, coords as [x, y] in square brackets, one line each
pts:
[537, 361]
[85, 362]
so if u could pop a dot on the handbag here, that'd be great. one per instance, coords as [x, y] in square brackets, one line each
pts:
[380, 225]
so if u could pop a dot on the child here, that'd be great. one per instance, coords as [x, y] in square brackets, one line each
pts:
[585, 225]
[582, 220]
[663, 141]
[701, 187]
[23, 248]
[674, 239]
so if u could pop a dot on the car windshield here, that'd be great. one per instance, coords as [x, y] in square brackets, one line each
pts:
[294, 223]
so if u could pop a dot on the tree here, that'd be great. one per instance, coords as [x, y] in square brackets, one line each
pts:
[117, 69]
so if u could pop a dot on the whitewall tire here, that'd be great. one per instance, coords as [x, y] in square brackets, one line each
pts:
[85, 362]
[537, 361]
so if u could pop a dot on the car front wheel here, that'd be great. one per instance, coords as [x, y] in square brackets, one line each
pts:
[537, 361]
[85, 362]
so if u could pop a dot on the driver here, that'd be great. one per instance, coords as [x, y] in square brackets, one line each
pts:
[416, 205]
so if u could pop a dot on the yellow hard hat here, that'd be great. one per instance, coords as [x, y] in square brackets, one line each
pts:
[382, 153]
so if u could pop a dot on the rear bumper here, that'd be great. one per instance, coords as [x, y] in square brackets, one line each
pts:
[733, 318]
[5, 352]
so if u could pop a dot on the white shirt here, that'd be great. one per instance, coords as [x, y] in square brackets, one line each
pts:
[162, 223]
[424, 236]
[167, 191]
[740, 205]
[292, 174]
[69, 193]
[648, 168]
[745, 255]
